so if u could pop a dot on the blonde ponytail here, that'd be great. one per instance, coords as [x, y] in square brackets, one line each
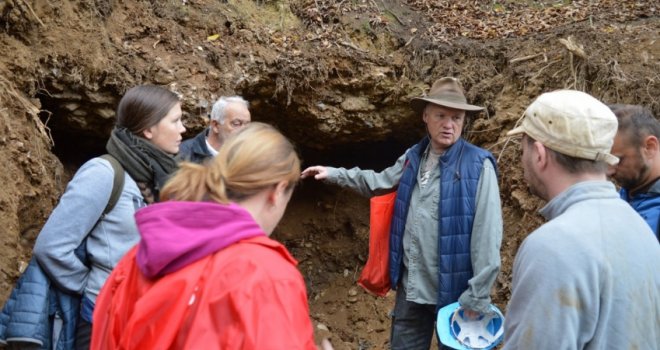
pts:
[215, 184]
[187, 184]
[254, 158]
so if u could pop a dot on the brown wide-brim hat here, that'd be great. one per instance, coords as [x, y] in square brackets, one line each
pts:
[446, 92]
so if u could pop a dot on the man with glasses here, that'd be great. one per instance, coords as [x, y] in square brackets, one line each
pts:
[228, 115]
[447, 223]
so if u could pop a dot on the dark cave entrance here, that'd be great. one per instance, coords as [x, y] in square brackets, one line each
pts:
[79, 133]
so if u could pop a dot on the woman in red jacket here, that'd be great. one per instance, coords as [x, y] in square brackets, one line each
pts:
[205, 275]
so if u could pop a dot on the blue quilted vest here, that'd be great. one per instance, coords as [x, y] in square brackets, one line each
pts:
[648, 207]
[28, 315]
[460, 168]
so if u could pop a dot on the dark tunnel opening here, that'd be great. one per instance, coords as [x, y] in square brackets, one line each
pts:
[75, 138]
[79, 136]
[376, 155]
[74, 145]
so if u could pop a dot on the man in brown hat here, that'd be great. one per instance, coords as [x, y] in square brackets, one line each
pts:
[447, 224]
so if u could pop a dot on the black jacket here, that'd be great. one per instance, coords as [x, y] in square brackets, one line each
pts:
[195, 149]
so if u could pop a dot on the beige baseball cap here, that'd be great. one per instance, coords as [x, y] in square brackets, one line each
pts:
[572, 123]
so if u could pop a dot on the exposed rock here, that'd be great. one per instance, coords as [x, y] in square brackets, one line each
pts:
[105, 113]
[335, 76]
[357, 104]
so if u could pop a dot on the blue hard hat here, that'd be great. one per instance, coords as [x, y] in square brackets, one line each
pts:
[458, 332]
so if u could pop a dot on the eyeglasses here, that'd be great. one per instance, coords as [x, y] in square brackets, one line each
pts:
[237, 123]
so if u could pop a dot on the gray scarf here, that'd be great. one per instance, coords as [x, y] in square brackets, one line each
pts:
[147, 164]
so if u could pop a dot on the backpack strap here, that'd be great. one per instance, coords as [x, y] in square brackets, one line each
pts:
[117, 183]
[117, 188]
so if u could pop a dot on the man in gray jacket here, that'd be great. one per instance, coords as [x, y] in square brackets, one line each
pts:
[447, 223]
[589, 277]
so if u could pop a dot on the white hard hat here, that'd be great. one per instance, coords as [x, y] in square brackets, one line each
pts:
[458, 332]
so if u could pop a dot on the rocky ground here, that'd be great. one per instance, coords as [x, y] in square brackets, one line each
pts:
[334, 76]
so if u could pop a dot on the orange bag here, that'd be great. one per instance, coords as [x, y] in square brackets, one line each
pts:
[375, 277]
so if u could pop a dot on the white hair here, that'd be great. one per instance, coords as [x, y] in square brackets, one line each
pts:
[219, 110]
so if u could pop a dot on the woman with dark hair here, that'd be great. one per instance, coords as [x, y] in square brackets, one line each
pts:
[205, 274]
[144, 141]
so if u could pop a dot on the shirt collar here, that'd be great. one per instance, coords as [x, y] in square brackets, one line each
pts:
[210, 148]
[578, 192]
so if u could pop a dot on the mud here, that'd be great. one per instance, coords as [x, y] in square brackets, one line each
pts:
[335, 77]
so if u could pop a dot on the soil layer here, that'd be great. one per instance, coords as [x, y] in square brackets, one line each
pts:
[335, 76]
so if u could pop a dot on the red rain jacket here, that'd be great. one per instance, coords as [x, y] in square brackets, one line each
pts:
[247, 296]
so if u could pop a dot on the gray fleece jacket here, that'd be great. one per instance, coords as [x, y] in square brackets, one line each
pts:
[77, 213]
[587, 279]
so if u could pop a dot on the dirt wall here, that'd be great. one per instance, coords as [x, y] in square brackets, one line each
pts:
[335, 77]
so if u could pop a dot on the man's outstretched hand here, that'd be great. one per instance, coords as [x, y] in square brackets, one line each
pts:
[319, 172]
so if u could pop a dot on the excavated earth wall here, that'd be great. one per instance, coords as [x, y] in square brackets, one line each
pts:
[335, 77]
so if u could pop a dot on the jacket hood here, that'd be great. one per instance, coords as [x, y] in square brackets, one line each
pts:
[176, 234]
